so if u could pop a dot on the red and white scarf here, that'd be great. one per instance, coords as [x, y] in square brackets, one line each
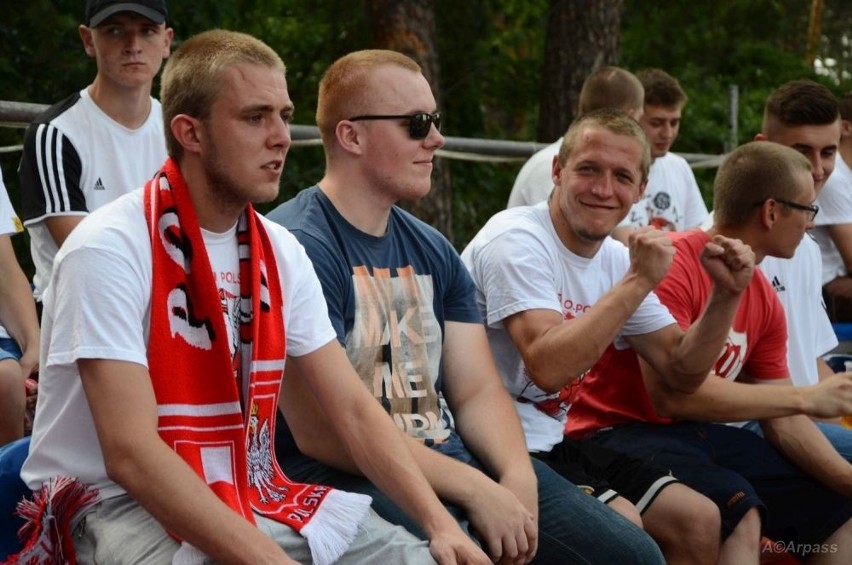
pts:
[229, 443]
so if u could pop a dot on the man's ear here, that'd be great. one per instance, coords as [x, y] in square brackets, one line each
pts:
[555, 170]
[167, 44]
[759, 136]
[86, 37]
[768, 214]
[642, 186]
[350, 137]
[189, 132]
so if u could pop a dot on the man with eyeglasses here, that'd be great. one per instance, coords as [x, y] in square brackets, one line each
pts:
[794, 486]
[402, 304]
[805, 115]
[810, 210]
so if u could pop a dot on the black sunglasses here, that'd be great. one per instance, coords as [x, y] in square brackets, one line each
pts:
[419, 124]
[812, 209]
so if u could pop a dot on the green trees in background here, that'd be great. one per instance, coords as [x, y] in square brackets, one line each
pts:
[489, 57]
[756, 45]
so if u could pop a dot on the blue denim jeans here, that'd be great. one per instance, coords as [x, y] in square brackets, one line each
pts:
[573, 526]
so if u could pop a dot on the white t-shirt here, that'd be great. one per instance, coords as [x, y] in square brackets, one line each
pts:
[77, 161]
[99, 309]
[809, 332]
[10, 224]
[672, 199]
[518, 263]
[223, 251]
[835, 208]
[535, 181]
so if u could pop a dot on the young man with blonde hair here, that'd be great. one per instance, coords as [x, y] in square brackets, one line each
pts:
[556, 291]
[606, 87]
[171, 316]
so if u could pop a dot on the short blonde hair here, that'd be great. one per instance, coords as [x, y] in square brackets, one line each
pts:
[193, 74]
[752, 174]
[611, 120]
[343, 85]
[611, 87]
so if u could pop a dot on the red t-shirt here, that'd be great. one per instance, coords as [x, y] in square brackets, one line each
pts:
[613, 391]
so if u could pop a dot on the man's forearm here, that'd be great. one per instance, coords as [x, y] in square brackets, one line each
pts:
[17, 306]
[385, 458]
[702, 343]
[493, 432]
[175, 496]
[720, 400]
[569, 349]
[452, 480]
[807, 447]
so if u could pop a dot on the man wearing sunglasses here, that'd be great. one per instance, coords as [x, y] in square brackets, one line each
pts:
[402, 304]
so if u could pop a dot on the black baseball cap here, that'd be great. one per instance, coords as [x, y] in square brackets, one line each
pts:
[99, 10]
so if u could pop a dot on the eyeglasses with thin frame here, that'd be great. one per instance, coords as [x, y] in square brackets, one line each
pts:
[811, 209]
[419, 123]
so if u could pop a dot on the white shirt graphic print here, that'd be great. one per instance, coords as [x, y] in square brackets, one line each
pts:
[397, 340]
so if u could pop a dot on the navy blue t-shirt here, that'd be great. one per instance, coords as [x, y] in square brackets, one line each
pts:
[388, 298]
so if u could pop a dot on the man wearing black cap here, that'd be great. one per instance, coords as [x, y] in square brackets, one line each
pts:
[100, 142]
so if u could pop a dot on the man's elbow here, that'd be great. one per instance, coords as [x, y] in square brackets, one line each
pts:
[121, 465]
[548, 378]
[669, 402]
[684, 381]
[549, 381]
[664, 405]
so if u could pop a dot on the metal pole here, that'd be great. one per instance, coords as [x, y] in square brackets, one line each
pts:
[733, 114]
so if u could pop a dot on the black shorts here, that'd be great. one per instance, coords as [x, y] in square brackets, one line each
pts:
[738, 470]
[605, 473]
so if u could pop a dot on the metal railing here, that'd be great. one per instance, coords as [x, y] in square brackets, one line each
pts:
[20, 114]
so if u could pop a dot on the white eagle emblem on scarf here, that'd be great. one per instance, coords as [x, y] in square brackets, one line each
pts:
[260, 460]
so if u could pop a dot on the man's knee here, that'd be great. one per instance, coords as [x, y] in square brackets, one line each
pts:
[626, 509]
[747, 530]
[686, 523]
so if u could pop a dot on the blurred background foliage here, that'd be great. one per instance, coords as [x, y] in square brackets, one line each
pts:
[491, 57]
